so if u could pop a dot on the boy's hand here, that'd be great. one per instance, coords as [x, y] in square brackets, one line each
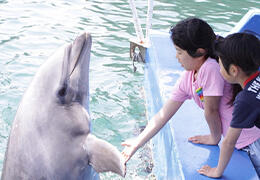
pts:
[202, 139]
[209, 171]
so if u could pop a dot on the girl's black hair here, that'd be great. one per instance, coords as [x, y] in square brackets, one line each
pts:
[242, 50]
[193, 33]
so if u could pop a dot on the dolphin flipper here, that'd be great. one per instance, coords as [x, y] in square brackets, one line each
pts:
[104, 156]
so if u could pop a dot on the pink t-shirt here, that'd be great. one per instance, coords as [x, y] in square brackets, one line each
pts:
[209, 82]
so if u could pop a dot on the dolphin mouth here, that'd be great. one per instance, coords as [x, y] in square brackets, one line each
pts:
[74, 86]
[80, 51]
[74, 68]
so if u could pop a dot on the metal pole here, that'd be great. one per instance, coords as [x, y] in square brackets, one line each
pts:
[138, 28]
[149, 20]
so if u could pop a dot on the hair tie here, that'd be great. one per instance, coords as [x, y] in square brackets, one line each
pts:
[217, 38]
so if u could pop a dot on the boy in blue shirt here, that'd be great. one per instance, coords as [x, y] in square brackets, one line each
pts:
[239, 59]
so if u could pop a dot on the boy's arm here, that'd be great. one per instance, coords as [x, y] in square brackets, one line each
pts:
[226, 152]
[211, 112]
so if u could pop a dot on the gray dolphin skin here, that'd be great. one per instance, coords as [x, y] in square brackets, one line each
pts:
[50, 135]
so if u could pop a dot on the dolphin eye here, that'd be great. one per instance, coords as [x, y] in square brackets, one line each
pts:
[63, 91]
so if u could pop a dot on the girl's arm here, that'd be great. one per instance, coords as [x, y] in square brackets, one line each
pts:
[226, 152]
[211, 112]
[153, 127]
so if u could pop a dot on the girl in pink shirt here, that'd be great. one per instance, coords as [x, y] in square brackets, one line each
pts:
[210, 83]
[194, 41]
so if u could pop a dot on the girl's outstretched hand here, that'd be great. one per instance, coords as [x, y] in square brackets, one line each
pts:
[130, 149]
[209, 171]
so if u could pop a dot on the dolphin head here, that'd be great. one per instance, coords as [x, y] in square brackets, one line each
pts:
[67, 76]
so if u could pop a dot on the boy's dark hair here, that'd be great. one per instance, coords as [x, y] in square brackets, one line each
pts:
[193, 33]
[240, 49]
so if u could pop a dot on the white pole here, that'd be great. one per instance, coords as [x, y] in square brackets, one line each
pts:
[138, 28]
[149, 20]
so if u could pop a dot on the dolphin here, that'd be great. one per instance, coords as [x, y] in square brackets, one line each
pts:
[50, 136]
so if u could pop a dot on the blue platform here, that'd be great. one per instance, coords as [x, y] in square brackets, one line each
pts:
[250, 23]
[174, 157]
